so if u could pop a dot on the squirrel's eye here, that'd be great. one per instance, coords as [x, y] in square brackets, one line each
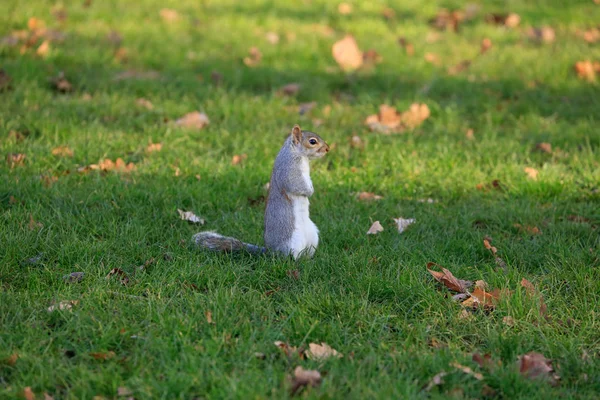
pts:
[312, 141]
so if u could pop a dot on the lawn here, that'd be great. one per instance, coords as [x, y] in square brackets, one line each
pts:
[510, 153]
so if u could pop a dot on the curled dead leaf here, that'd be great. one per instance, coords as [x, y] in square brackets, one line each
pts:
[15, 159]
[534, 365]
[486, 44]
[368, 196]
[447, 20]
[289, 351]
[28, 393]
[120, 273]
[437, 380]
[194, 120]
[347, 54]
[237, 159]
[467, 370]
[272, 37]
[208, 315]
[169, 15]
[11, 360]
[432, 58]
[62, 151]
[543, 34]
[153, 147]
[61, 84]
[532, 173]
[587, 70]
[344, 8]
[144, 103]
[321, 352]
[543, 147]
[63, 305]
[103, 356]
[254, 57]
[375, 228]
[448, 279]
[390, 121]
[304, 378]
[487, 245]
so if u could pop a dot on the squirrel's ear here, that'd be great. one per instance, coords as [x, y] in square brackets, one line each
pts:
[296, 134]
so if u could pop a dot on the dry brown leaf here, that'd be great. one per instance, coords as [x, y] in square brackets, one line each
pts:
[508, 321]
[586, 70]
[469, 134]
[169, 15]
[532, 173]
[460, 67]
[375, 228]
[447, 20]
[484, 361]
[108, 165]
[403, 223]
[208, 315]
[61, 84]
[62, 151]
[63, 305]
[289, 351]
[544, 34]
[254, 57]
[484, 298]
[481, 284]
[591, 35]
[389, 120]
[432, 58]
[28, 393]
[534, 365]
[320, 352]
[43, 49]
[33, 224]
[543, 147]
[487, 245]
[347, 54]
[101, 356]
[123, 391]
[15, 159]
[448, 279]
[272, 37]
[190, 217]
[486, 44]
[120, 273]
[408, 47]
[194, 120]
[12, 359]
[371, 57]
[467, 370]
[153, 147]
[437, 380]
[532, 230]
[368, 196]
[121, 55]
[344, 8]
[237, 159]
[291, 89]
[303, 378]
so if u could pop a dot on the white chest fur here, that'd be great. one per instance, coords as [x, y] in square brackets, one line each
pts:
[306, 235]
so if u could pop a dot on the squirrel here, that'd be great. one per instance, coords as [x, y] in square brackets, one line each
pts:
[288, 228]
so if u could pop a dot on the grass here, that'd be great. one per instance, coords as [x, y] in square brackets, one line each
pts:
[370, 298]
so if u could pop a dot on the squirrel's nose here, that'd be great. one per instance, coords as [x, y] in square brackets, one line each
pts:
[326, 148]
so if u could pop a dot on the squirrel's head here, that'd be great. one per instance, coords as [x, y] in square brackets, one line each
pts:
[308, 143]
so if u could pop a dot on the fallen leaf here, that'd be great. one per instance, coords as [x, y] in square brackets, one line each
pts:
[347, 54]
[74, 277]
[495, 184]
[254, 57]
[486, 44]
[372, 57]
[169, 15]
[303, 378]
[190, 217]
[510, 20]
[532, 230]
[481, 284]
[15, 159]
[408, 47]
[33, 224]
[12, 359]
[467, 370]
[487, 245]
[108, 165]
[194, 120]
[237, 159]
[121, 55]
[447, 20]
[508, 321]
[119, 272]
[469, 134]
[5, 80]
[291, 89]
[534, 365]
[61, 84]
[448, 279]
[306, 107]
[288, 350]
[344, 8]
[432, 58]
[484, 298]
[153, 147]
[460, 67]
[544, 34]
[63, 305]
[403, 223]
[375, 228]
[368, 196]
[390, 121]
[543, 147]
[144, 103]
[43, 49]
[320, 352]
[62, 151]
[123, 391]
[591, 35]
[136, 74]
[208, 315]
[272, 37]
[28, 393]
[484, 361]
[586, 70]
[437, 380]
[103, 356]
[532, 173]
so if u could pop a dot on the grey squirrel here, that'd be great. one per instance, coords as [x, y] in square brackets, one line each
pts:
[288, 228]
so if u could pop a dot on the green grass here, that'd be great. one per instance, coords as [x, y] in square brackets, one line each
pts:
[370, 298]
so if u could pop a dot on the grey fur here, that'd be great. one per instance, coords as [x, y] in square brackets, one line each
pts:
[286, 180]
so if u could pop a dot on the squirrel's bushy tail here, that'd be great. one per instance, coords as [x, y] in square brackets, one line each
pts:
[214, 241]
